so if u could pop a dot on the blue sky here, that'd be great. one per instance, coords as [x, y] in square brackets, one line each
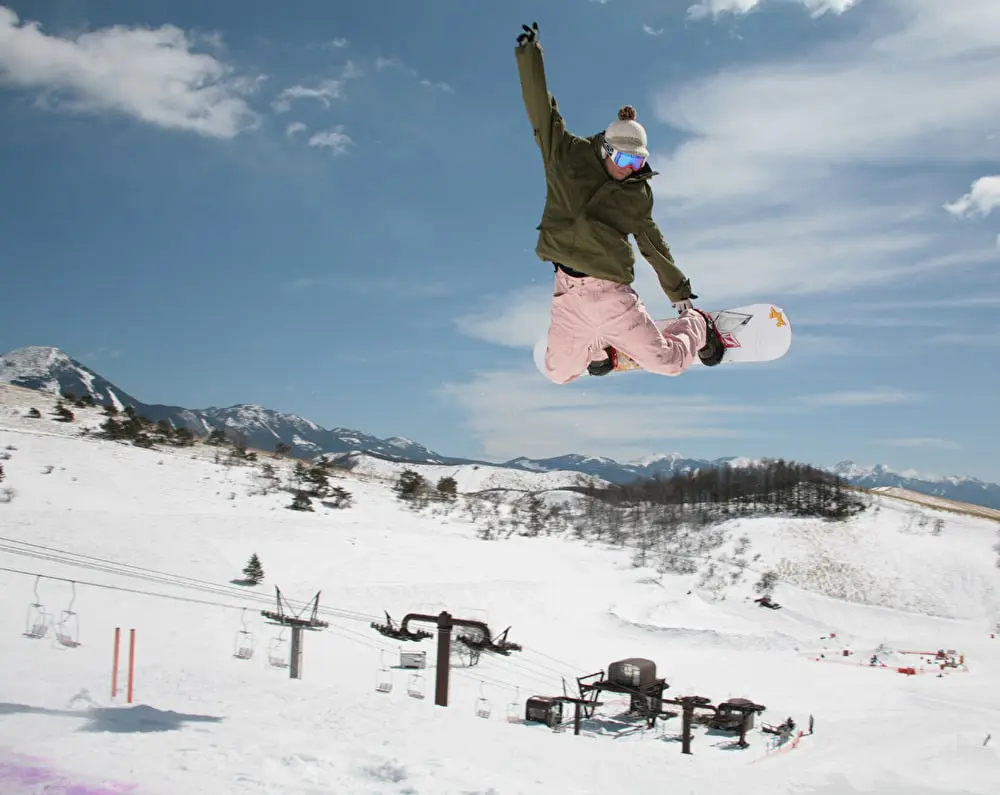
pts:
[330, 209]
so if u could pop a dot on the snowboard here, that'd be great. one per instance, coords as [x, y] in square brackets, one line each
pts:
[751, 334]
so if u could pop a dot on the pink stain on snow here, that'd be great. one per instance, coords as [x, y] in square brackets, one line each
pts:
[21, 778]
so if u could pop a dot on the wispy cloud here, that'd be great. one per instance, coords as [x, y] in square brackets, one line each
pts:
[518, 413]
[336, 140]
[651, 31]
[715, 8]
[151, 74]
[336, 44]
[440, 85]
[382, 63]
[829, 345]
[982, 199]
[515, 321]
[861, 397]
[324, 92]
[977, 338]
[386, 288]
[820, 172]
[295, 127]
[928, 442]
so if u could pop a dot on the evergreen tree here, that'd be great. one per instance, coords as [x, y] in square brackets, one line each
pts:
[447, 487]
[301, 502]
[62, 413]
[282, 449]
[217, 437]
[316, 480]
[1, 473]
[338, 498]
[411, 486]
[34, 413]
[253, 571]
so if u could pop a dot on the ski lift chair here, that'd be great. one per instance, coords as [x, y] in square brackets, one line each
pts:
[244, 643]
[483, 708]
[383, 680]
[36, 624]
[68, 626]
[277, 652]
[514, 708]
[415, 686]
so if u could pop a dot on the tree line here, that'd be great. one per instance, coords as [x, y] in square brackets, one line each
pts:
[768, 487]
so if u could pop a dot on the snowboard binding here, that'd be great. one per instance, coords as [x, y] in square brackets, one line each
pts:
[715, 348]
[604, 366]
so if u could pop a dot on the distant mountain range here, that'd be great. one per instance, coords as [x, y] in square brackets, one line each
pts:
[51, 370]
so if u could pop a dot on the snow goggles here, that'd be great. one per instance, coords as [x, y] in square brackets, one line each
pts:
[624, 159]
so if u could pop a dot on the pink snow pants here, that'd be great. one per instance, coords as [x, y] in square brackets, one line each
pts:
[589, 314]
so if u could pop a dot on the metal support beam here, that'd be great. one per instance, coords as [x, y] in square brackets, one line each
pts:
[295, 668]
[445, 626]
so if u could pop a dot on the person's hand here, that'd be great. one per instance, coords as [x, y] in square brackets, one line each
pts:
[683, 306]
[530, 35]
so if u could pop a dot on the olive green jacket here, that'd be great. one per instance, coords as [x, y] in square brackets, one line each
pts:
[588, 214]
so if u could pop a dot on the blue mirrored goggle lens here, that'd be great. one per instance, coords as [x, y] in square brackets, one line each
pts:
[625, 160]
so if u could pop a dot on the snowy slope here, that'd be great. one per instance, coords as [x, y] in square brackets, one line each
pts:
[468, 477]
[206, 722]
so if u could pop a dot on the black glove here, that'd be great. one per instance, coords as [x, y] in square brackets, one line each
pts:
[529, 35]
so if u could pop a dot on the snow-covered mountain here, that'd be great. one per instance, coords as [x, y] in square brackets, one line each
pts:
[51, 370]
[963, 489]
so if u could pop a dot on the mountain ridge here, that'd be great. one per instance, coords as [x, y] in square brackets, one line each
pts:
[52, 370]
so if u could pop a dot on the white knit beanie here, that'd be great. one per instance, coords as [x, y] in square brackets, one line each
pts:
[626, 134]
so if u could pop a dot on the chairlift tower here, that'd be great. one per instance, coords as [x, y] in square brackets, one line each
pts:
[480, 640]
[284, 616]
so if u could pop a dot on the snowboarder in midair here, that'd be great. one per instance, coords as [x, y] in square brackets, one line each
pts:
[597, 194]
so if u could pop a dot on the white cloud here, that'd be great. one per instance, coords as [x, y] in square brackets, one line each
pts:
[861, 397]
[336, 140]
[715, 8]
[517, 413]
[324, 92]
[295, 127]
[382, 62]
[441, 86]
[648, 29]
[817, 172]
[976, 339]
[982, 199]
[337, 43]
[516, 321]
[707, 8]
[151, 74]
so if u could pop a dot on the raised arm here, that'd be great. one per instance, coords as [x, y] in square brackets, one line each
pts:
[543, 111]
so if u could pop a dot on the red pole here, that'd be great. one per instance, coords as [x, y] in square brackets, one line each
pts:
[131, 662]
[114, 664]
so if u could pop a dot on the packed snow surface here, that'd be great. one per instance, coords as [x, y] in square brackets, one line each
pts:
[113, 536]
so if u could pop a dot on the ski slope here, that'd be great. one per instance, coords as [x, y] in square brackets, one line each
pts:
[152, 539]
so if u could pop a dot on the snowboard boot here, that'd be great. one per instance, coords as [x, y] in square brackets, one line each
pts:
[604, 366]
[714, 348]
